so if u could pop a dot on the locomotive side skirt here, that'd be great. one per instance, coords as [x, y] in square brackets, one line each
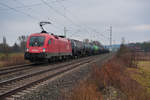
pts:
[36, 56]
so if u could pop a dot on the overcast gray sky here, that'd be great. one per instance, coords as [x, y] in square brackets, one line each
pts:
[83, 18]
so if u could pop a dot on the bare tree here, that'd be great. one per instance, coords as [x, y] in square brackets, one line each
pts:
[97, 43]
[86, 40]
[22, 39]
[15, 48]
[5, 47]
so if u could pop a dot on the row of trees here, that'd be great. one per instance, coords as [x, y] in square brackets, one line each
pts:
[145, 46]
[93, 42]
[5, 48]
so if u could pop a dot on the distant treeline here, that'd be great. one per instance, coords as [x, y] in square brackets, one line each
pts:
[5, 48]
[145, 46]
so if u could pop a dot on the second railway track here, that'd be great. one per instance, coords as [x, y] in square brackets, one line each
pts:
[12, 86]
[12, 69]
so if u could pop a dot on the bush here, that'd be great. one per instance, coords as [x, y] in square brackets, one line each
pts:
[113, 73]
[86, 90]
[128, 56]
[12, 59]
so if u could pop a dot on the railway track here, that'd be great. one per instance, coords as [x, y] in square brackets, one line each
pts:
[18, 84]
[12, 69]
[11, 72]
[18, 68]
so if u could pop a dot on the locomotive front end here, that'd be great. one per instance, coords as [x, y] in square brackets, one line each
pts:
[36, 48]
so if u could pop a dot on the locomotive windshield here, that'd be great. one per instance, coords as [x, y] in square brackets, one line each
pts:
[37, 41]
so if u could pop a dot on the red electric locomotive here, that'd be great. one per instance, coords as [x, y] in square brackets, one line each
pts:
[44, 46]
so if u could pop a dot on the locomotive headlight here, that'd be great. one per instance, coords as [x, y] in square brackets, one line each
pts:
[44, 49]
[27, 50]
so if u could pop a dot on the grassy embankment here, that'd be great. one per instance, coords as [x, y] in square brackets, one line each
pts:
[12, 59]
[142, 74]
[118, 79]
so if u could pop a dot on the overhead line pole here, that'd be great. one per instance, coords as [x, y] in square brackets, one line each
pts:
[110, 38]
[65, 31]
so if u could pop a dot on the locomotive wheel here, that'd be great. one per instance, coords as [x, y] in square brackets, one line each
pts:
[50, 60]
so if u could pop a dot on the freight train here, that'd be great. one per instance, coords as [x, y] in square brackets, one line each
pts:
[44, 46]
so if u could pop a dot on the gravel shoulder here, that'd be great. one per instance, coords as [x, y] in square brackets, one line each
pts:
[55, 88]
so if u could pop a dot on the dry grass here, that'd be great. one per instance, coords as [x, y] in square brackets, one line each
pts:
[85, 91]
[12, 59]
[112, 73]
[145, 65]
[143, 56]
[142, 74]
[1, 63]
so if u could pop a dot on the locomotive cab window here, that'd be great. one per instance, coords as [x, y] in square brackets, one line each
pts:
[37, 41]
[49, 42]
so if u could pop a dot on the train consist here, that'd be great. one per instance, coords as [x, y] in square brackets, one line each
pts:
[43, 46]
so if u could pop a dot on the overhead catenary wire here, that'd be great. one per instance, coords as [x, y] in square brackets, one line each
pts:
[100, 33]
[25, 6]
[89, 28]
[53, 25]
[26, 14]
[19, 2]
[50, 7]
[56, 1]
[16, 10]
[58, 12]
